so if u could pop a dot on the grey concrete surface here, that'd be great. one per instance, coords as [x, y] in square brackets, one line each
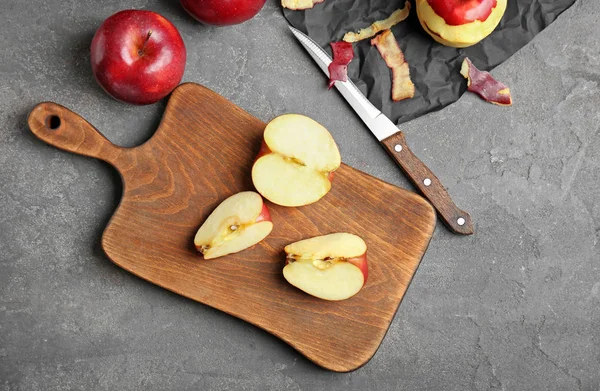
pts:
[514, 307]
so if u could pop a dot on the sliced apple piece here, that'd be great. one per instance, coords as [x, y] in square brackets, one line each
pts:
[295, 164]
[239, 222]
[330, 267]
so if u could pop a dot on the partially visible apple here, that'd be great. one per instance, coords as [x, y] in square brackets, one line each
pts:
[223, 12]
[138, 56]
[295, 164]
[460, 23]
[330, 267]
[239, 222]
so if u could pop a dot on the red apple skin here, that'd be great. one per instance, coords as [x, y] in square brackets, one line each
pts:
[457, 12]
[222, 12]
[264, 214]
[361, 263]
[265, 150]
[138, 56]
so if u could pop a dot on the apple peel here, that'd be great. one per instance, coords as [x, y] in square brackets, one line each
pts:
[343, 53]
[484, 85]
[402, 86]
[396, 17]
[297, 5]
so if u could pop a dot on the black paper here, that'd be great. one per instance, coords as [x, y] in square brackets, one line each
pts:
[434, 68]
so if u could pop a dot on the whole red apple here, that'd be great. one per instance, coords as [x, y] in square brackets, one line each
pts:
[223, 12]
[138, 56]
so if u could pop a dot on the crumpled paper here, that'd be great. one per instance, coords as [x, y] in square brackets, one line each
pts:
[434, 68]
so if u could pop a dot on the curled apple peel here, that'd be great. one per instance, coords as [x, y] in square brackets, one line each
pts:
[343, 53]
[396, 17]
[484, 85]
[402, 86]
[299, 4]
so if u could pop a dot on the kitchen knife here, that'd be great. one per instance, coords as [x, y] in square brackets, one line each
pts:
[394, 142]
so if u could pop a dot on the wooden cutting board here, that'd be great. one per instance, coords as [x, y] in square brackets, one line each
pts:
[202, 153]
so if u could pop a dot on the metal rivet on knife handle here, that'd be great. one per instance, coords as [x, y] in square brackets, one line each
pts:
[398, 148]
[427, 182]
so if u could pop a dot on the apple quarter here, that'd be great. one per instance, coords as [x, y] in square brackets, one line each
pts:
[239, 222]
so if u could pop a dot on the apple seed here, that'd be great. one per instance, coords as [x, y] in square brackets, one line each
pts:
[295, 160]
[321, 264]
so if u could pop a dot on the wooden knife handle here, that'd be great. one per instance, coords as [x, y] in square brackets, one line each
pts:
[62, 128]
[425, 180]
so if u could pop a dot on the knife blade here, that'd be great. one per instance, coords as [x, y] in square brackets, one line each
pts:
[394, 142]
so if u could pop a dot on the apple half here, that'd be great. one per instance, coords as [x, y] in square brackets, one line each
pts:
[296, 161]
[460, 23]
[330, 267]
[239, 222]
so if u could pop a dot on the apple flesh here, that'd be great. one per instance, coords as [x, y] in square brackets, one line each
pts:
[138, 56]
[222, 12]
[295, 164]
[330, 267]
[460, 23]
[239, 222]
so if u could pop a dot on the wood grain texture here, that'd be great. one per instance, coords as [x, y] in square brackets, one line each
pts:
[202, 153]
[457, 220]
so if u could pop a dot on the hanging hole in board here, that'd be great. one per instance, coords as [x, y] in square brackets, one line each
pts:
[53, 122]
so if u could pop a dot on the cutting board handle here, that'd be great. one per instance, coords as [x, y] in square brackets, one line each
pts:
[62, 128]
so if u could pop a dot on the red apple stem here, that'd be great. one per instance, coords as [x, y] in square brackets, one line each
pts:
[141, 51]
